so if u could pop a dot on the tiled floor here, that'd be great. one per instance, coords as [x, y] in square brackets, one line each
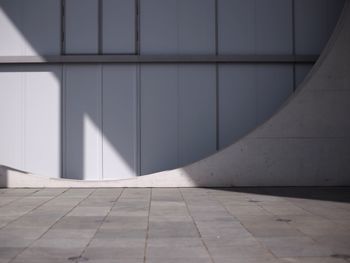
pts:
[161, 225]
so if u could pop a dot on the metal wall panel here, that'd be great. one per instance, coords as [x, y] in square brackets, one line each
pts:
[301, 72]
[158, 27]
[11, 116]
[196, 26]
[81, 27]
[42, 120]
[274, 29]
[197, 112]
[12, 42]
[314, 22]
[118, 26]
[30, 27]
[237, 102]
[159, 113]
[83, 140]
[177, 27]
[253, 27]
[119, 121]
[42, 27]
[236, 27]
[274, 85]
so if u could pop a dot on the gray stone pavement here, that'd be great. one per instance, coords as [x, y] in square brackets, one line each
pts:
[161, 225]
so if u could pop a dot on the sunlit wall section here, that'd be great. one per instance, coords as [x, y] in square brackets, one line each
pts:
[30, 28]
[30, 118]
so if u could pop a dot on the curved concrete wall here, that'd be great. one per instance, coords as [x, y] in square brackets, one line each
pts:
[306, 143]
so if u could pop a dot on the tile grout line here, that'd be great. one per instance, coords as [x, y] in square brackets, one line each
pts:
[197, 229]
[33, 209]
[99, 226]
[12, 259]
[19, 198]
[260, 242]
[147, 230]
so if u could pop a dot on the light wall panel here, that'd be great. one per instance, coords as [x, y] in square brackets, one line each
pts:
[119, 121]
[83, 139]
[11, 116]
[42, 120]
[12, 40]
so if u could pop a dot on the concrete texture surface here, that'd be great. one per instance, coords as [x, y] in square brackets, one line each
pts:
[134, 225]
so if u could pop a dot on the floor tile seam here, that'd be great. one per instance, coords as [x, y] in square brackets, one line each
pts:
[260, 242]
[147, 229]
[101, 223]
[304, 234]
[322, 216]
[49, 228]
[20, 198]
[197, 229]
[34, 208]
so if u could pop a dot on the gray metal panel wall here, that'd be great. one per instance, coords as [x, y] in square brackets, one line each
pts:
[196, 27]
[178, 115]
[158, 27]
[42, 27]
[30, 27]
[118, 26]
[253, 27]
[248, 95]
[314, 21]
[196, 112]
[119, 121]
[42, 116]
[236, 26]
[177, 27]
[83, 140]
[237, 102]
[11, 116]
[159, 112]
[274, 85]
[81, 26]
[274, 29]
[11, 43]
[301, 72]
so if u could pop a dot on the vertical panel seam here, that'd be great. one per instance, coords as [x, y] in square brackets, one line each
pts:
[137, 28]
[293, 44]
[138, 155]
[217, 106]
[64, 141]
[63, 27]
[101, 116]
[23, 118]
[100, 26]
